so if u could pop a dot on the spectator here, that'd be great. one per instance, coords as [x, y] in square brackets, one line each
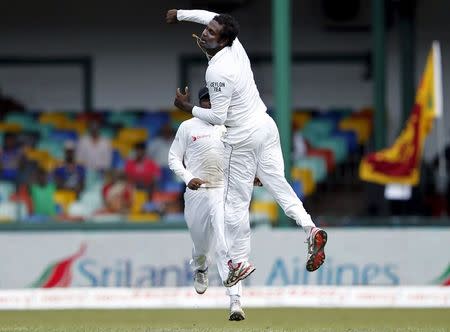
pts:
[158, 148]
[94, 151]
[70, 175]
[42, 193]
[11, 158]
[117, 193]
[142, 171]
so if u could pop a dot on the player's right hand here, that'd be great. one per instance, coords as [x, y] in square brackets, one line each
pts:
[171, 16]
[195, 183]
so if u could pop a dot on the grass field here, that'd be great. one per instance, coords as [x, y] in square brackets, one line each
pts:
[315, 320]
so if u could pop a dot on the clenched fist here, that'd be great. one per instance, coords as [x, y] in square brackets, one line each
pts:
[195, 183]
[171, 16]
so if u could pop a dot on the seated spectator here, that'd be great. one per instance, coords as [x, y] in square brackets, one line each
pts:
[117, 193]
[42, 192]
[158, 148]
[142, 171]
[70, 175]
[94, 151]
[11, 158]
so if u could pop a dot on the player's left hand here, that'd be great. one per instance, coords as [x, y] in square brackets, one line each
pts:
[195, 183]
[182, 100]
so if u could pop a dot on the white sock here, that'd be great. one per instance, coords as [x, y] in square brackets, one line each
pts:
[308, 230]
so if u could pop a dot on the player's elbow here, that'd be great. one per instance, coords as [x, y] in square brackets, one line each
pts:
[171, 163]
[219, 119]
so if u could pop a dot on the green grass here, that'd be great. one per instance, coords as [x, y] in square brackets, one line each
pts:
[314, 320]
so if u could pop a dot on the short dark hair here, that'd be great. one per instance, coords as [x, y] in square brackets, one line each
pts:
[230, 27]
[140, 146]
[203, 93]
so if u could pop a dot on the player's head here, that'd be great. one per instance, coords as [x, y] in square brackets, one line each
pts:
[219, 33]
[203, 98]
[139, 150]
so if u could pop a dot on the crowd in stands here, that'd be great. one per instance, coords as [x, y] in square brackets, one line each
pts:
[112, 166]
[91, 166]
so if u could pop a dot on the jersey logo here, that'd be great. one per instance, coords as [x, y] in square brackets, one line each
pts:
[217, 86]
[194, 138]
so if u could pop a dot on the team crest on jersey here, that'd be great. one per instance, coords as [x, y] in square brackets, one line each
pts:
[194, 138]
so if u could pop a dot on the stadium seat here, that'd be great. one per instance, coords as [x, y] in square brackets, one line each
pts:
[124, 148]
[336, 144]
[297, 186]
[132, 136]
[124, 119]
[178, 116]
[270, 209]
[12, 211]
[64, 198]
[140, 197]
[143, 217]
[350, 137]
[56, 119]
[317, 129]
[360, 125]
[326, 154]
[54, 147]
[317, 165]
[10, 127]
[305, 175]
[299, 119]
[6, 190]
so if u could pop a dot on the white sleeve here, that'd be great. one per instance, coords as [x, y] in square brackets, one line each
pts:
[176, 155]
[220, 87]
[196, 16]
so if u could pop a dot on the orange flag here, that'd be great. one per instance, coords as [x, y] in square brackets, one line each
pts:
[400, 163]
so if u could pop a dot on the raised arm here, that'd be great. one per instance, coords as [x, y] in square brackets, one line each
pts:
[196, 16]
[220, 86]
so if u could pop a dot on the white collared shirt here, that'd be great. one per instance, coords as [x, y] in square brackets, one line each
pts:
[235, 100]
[197, 152]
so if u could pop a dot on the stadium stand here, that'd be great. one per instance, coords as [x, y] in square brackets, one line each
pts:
[330, 141]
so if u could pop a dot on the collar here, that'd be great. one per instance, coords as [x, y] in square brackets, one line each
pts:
[218, 55]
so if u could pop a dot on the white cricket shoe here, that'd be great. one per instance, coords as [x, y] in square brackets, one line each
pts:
[238, 272]
[236, 312]
[201, 281]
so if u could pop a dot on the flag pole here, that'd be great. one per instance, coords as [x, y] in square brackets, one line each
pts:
[440, 129]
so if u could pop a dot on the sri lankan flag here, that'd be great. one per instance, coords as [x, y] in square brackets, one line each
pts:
[400, 163]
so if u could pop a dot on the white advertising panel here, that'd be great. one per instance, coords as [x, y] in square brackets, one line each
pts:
[381, 257]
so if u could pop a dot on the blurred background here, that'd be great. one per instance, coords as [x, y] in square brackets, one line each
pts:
[87, 119]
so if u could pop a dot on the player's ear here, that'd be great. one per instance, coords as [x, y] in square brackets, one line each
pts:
[223, 42]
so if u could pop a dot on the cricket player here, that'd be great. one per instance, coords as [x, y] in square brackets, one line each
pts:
[252, 143]
[196, 156]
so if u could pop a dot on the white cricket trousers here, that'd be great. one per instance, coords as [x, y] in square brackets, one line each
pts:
[257, 154]
[204, 214]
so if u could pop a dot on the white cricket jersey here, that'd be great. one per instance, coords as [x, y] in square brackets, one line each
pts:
[197, 152]
[235, 100]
